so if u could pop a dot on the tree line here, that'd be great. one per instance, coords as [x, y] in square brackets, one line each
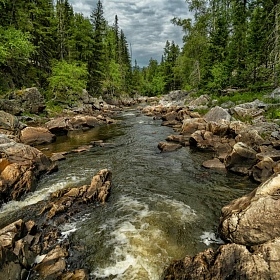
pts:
[46, 44]
[226, 43]
[230, 43]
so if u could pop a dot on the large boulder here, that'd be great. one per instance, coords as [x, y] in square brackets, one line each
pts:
[249, 111]
[62, 125]
[28, 100]
[202, 100]
[203, 140]
[241, 159]
[190, 125]
[250, 137]
[253, 219]
[10, 125]
[20, 168]
[263, 169]
[217, 114]
[36, 136]
[231, 261]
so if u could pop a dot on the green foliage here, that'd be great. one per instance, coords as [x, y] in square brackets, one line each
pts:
[219, 78]
[238, 97]
[34, 33]
[15, 46]
[230, 43]
[67, 81]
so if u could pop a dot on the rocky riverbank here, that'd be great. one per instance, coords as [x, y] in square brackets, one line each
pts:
[34, 247]
[249, 225]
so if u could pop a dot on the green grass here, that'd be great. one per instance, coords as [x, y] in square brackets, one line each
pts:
[239, 97]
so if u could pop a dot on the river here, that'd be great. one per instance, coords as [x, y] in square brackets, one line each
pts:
[162, 206]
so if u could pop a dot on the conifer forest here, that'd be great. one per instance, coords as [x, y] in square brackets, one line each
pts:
[226, 44]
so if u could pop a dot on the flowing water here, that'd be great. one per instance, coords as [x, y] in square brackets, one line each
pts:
[162, 207]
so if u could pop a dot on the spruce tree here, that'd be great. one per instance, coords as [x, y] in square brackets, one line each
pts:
[96, 58]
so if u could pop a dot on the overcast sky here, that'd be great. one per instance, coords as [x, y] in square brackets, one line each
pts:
[145, 23]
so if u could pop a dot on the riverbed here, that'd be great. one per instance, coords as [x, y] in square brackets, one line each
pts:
[163, 206]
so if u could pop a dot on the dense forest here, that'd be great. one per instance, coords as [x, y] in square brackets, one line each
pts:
[227, 43]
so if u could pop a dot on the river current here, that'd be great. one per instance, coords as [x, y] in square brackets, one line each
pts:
[163, 206]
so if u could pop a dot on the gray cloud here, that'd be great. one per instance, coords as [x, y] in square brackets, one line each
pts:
[146, 23]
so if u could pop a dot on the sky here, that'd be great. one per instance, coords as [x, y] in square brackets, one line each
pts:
[145, 23]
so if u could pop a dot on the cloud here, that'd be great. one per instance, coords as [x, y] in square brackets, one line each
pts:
[145, 23]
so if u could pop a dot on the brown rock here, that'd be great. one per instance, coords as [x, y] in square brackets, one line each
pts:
[214, 164]
[231, 261]
[26, 165]
[241, 159]
[271, 153]
[253, 219]
[191, 125]
[62, 201]
[58, 126]
[263, 169]
[3, 164]
[36, 136]
[219, 128]
[168, 147]
[79, 274]
[204, 140]
[58, 156]
[11, 233]
[53, 265]
[250, 137]
[81, 149]
[170, 116]
[181, 139]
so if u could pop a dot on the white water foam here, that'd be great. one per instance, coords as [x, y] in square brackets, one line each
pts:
[128, 114]
[38, 195]
[139, 245]
[210, 238]
[68, 228]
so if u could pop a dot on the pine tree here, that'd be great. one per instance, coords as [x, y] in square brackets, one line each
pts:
[81, 39]
[171, 53]
[96, 59]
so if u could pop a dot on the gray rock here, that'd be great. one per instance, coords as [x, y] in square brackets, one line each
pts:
[253, 219]
[217, 114]
[202, 100]
[214, 164]
[231, 261]
[10, 125]
[29, 100]
[275, 94]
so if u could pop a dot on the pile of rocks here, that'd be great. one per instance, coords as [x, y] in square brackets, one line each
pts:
[36, 250]
[247, 149]
[250, 225]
